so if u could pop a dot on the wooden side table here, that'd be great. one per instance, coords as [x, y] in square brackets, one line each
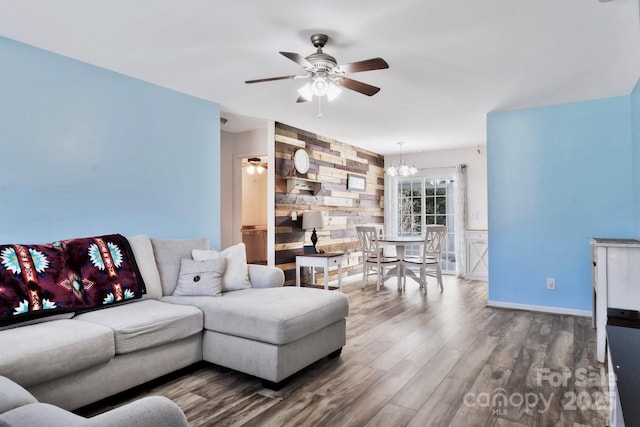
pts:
[325, 261]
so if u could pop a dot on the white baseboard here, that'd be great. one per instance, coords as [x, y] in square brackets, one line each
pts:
[541, 308]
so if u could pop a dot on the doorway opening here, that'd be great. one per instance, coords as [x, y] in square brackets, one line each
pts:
[254, 208]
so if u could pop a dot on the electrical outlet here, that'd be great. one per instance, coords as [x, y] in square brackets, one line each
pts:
[551, 283]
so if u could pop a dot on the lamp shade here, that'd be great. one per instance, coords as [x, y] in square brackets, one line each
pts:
[313, 219]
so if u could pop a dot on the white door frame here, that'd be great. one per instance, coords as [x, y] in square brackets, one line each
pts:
[237, 193]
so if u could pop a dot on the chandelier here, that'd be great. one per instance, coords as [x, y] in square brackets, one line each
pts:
[402, 168]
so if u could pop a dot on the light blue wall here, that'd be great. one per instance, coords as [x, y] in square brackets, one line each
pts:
[556, 175]
[635, 131]
[87, 151]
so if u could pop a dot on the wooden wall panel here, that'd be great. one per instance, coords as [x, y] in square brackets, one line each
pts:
[330, 162]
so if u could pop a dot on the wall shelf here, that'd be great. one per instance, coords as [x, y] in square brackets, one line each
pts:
[302, 184]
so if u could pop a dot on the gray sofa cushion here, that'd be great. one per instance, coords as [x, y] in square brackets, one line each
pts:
[12, 395]
[38, 320]
[143, 251]
[38, 353]
[144, 324]
[168, 253]
[273, 315]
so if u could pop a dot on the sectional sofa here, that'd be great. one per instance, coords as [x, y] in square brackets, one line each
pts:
[255, 326]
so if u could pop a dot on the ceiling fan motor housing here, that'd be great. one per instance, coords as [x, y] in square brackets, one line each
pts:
[322, 61]
[319, 40]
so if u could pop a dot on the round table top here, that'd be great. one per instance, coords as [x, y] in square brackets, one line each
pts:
[402, 239]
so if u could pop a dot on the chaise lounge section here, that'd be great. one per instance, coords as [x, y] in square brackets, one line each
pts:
[271, 333]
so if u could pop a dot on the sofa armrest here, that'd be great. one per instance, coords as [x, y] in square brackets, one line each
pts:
[13, 395]
[40, 414]
[263, 276]
[154, 411]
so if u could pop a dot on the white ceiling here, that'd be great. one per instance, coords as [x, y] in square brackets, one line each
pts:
[451, 61]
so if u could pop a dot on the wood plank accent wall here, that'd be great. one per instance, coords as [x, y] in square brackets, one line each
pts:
[330, 162]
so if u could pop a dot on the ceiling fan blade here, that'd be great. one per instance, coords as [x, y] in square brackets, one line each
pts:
[366, 65]
[363, 88]
[271, 79]
[298, 59]
[302, 99]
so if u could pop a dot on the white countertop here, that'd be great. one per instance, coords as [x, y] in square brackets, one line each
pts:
[597, 241]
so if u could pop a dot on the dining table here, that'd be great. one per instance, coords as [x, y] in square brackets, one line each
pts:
[400, 243]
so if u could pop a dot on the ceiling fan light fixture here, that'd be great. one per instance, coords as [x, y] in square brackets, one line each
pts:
[334, 91]
[320, 86]
[306, 92]
[251, 169]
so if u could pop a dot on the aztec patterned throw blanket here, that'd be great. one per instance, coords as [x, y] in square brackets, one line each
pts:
[66, 276]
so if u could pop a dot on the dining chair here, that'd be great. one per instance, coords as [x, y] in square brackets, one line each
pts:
[430, 256]
[373, 260]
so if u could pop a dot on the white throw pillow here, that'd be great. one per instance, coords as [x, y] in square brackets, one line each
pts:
[236, 275]
[200, 277]
[143, 252]
[203, 254]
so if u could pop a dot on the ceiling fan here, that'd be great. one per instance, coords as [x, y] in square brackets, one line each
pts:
[325, 76]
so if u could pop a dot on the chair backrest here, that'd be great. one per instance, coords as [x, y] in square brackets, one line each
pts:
[368, 241]
[433, 240]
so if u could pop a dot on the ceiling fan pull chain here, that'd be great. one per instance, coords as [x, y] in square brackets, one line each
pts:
[319, 106]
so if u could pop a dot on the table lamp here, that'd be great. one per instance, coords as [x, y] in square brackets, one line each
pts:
[313, 220]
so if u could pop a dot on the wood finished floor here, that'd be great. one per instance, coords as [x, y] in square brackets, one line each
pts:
[443, 359]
